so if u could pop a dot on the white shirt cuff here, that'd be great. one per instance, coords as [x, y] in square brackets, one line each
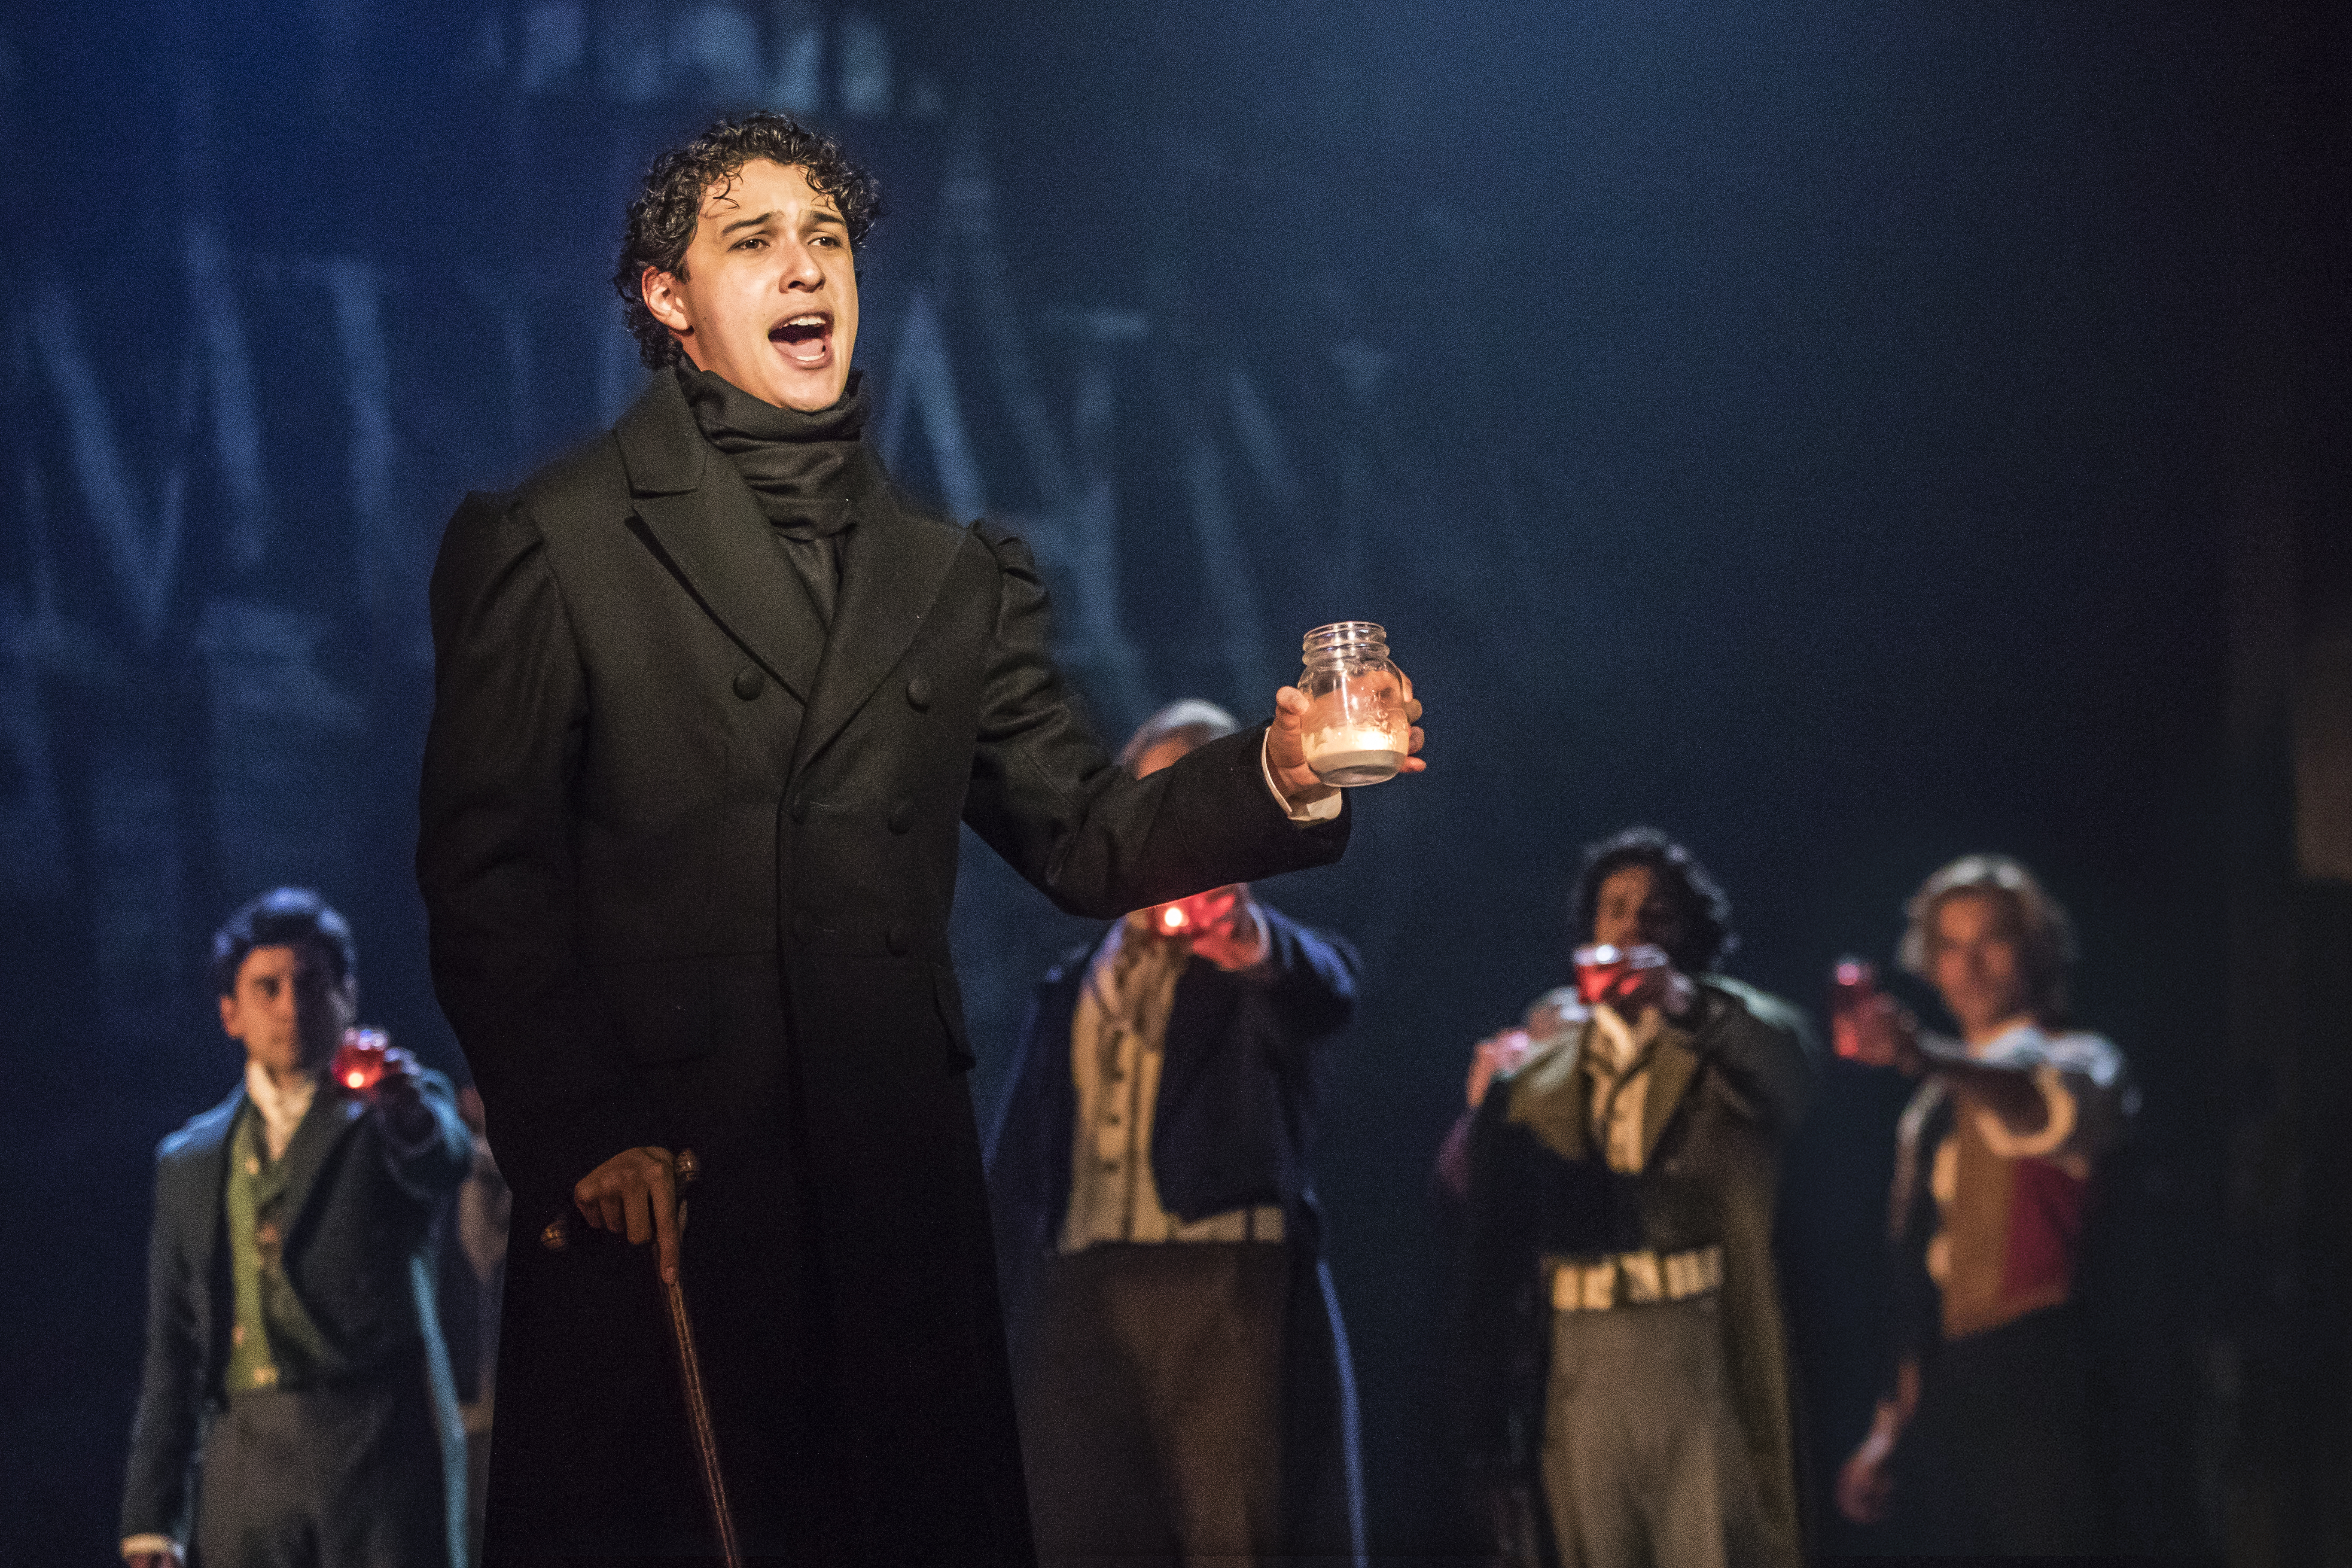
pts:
[1323, 810]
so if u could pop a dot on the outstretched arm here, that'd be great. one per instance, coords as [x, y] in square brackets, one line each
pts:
[1045, 796]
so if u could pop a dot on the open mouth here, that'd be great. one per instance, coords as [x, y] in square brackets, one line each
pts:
[806, 339]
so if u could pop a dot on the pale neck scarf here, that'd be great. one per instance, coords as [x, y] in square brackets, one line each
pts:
[282, 1110]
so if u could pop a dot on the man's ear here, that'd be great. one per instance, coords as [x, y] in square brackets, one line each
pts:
[229, 1016]
[661, 293]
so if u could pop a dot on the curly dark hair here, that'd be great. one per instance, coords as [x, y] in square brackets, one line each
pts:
[661, 220]
[1707, 938]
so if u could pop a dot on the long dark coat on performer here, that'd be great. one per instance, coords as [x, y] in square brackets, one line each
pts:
[1232, 1128]
[1727, 1085]
[688, 862]
[365, 1211]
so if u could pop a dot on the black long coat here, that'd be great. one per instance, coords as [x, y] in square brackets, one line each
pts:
[688, 862]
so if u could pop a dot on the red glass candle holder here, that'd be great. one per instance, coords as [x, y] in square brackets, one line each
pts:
[1607, 973]
[359, 1060]
[1190, 916]
[1854, 983]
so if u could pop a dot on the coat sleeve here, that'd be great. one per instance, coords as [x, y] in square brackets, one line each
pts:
[1764, 1053]
[155, 1490]
[1500, 1349]
[494, 856]
[1045, 796]
[1310, 978]
[430, 1167]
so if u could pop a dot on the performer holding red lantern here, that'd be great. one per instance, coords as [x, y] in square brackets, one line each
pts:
[296, 1376]
[1184, 1389]
[1624, 1375]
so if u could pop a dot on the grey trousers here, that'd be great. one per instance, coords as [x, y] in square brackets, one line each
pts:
[1151, 1405]
[332, 1478]
[1644, 1465]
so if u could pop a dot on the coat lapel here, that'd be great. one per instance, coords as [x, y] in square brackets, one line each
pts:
[330, 1120]
[891, 569]
[206, 1178]
[1674, 1064]
[1550, 1097]
[709, 531]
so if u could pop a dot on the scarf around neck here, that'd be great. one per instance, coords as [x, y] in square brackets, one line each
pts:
[805, 470]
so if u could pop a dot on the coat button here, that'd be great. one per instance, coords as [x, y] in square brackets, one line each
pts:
[900, 939]
[800, 808]
[748, 683]
[918, 694]
[902, 816]
[803, 926]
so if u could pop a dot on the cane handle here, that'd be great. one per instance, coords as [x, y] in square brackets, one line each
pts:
[556, 1234]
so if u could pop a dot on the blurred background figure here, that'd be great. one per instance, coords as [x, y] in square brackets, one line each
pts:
[1982, 1441]
[1185, 1393]
[473, 1279]
[1625, 1379]
[302, 1376]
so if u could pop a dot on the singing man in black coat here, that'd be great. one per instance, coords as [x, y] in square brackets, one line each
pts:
[711, 699]
[1183, 1379]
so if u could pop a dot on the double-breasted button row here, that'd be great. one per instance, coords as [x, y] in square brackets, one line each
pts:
[918, 694]
[798, 807]
[748, 682]
[902, 816]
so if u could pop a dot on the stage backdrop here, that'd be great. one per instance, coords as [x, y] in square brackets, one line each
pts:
[1787, 426]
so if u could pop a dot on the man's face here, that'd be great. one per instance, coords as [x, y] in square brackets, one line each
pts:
[769, 299]
[1636, 910]
[1976, 961]
[288, 1011]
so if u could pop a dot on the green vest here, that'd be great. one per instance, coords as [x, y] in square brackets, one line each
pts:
[273, 1343]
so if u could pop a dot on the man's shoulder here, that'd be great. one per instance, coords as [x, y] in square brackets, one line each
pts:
[1071, 965]
[580, 487]
[201, 1136]
[585, 483]
[1761, 1007]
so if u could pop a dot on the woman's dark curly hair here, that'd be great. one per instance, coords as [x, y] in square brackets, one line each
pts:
[661, 220]
[1707, 936]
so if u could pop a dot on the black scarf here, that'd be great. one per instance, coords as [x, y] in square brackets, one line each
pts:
[808, 471]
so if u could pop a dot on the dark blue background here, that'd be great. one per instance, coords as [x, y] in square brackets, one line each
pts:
[1801, 427]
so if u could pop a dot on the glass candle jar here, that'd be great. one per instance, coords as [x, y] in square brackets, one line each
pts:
[1356, 729]
[1606, 973]
[359, 1060]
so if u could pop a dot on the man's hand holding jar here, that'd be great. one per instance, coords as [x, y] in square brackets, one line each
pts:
[1352, 720]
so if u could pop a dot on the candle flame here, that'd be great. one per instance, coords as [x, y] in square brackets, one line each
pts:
[356, 1080]
[1174, 918]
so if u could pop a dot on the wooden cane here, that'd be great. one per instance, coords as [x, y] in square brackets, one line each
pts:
[556, 1236]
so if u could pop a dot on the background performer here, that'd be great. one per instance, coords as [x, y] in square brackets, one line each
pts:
[1625, 1344]
[294, 1357]
[1185, 1393]
[1983, 1438]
